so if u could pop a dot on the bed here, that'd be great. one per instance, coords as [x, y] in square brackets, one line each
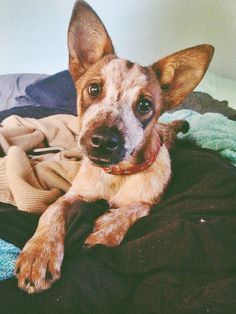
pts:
[180, 259]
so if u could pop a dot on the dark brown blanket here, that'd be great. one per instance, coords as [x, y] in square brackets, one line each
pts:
[180, 259]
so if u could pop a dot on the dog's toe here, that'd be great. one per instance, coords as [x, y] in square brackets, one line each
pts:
[103, 238]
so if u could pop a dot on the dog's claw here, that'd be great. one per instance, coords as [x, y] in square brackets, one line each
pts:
[26, 281]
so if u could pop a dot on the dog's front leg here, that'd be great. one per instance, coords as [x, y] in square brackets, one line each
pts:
[39, 263]
[111, 227]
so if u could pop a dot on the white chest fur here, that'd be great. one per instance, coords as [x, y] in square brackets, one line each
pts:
[92, 183]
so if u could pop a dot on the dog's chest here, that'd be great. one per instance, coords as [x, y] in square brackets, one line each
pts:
[93, 183]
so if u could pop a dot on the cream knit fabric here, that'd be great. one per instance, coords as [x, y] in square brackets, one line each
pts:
[34, 182]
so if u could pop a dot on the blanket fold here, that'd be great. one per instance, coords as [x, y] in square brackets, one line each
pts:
[34, 182]
[210, 130]
[180, 259]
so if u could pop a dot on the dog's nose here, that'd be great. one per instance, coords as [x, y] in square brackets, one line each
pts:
[106, 140]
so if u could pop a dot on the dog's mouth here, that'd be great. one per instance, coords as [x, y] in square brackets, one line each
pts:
[103, 145]
[114, 159]
[101, 162]
[141, 158]
[138, 160]
[108, 162]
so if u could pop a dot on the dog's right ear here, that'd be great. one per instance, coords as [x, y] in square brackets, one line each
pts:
[88, 40]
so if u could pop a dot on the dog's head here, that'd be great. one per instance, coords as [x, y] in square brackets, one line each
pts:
[118, 101]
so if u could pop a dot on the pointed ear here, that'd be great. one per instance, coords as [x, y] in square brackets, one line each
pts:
[181, 72]
[88, 40]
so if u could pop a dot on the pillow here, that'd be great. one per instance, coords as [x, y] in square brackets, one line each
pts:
[202, 103]
[219, 87]
[12, 89]
[56, 91]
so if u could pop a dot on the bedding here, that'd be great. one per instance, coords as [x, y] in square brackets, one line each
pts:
[181, 259]
[210, 130]
[219, 87]
[8, 256]
[57, 92]
[30, 111]
[32, 184]
[203, 103]
[12, 89]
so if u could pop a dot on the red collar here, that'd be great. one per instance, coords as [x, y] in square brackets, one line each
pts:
[128, 168]
[151, 148]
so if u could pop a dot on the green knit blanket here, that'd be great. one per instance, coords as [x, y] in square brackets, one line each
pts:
[8, 256]
[210, 130]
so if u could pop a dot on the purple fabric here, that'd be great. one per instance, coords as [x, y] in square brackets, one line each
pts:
[56, 91]
[31, 112]
[12, 89]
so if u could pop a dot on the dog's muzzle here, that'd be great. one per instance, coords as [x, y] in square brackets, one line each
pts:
[105, 146]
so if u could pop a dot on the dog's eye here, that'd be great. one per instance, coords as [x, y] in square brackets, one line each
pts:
[94, 89]
[144, 106]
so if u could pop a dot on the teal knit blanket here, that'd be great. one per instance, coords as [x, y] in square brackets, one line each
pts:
[211, 130]
[8, 256]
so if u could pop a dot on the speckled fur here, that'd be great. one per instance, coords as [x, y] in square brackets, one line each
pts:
[92, 59]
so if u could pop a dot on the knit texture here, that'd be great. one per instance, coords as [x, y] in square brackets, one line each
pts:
[210, 130]
[180, 259]
[34, 183]
[8, 255]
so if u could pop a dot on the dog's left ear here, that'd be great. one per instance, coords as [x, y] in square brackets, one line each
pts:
[88, 40]
[181, 72]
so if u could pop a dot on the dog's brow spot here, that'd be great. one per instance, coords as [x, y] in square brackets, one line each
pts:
[120, 78]
[129, 64]
[118, 95]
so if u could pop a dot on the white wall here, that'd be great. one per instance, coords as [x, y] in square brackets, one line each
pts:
[33, 33]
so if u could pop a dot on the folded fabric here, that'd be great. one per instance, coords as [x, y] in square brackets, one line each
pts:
[180, 259]
[56, 91]
[210, 130]
[202, 103]
[33, 183]
[12, 89]
[8, 255]
[30, 111]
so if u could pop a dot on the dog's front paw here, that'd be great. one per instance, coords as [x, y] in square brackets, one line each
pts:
[39, 264]
[109, 230]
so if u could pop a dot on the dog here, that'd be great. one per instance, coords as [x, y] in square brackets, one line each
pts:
[125, 149]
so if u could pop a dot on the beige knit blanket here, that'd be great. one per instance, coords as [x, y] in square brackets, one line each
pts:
[31, 181]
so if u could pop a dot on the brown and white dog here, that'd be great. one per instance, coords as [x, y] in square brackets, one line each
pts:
[126, 150]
